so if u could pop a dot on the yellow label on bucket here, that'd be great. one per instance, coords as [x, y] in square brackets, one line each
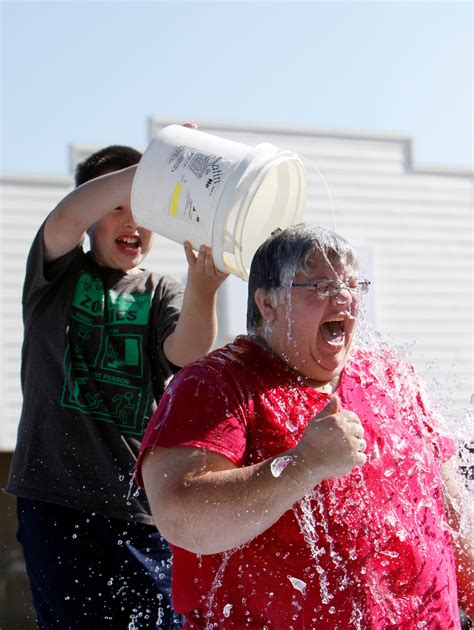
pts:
[175, 200]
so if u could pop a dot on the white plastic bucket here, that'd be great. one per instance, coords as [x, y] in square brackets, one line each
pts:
[194, 186]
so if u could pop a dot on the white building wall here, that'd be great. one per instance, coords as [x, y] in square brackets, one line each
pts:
[416, 224]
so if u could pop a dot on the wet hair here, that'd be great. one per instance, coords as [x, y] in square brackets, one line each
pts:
[288, 252]
[113, 158]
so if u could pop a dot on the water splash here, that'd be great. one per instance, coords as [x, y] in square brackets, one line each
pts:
[279, 464]
[307, 522]
[298, 584]
[217, 583]
[133, 490]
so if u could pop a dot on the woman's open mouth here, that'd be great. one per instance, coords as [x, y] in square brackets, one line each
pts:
[333, 331]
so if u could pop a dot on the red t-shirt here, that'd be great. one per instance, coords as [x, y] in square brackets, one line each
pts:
[370, 549]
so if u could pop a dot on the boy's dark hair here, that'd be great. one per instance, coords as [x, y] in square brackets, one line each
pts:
[113, 158]
[287, 252]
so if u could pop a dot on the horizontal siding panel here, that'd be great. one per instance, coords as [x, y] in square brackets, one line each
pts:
[423, 357]
[366, 209]
[422, 313]
[357, 176]
[423, 337]
[412, 223]
[19, 240]
[346, 165]
[431, 298]
[451, 188]
[422, 327]
[444, 359]
[349, 167]
[405, 321]
[33, 213]
[13, 334]
[398, 241]
[14, 392]
[34, 202]
[333, 141]
[388, 199]
[34, 194]
[344, 148]
[407, 279]
[423, 333]
[420, 229]
[44, 187]
[13, 404]
[444, 356]
[386, 196]
[421, 250]
[19, 219]
[10, 312]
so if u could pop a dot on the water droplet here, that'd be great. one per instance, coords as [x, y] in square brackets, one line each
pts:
[227, 610]
[279, 464]
[299, 585]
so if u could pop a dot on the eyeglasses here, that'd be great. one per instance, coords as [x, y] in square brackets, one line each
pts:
[328, 288]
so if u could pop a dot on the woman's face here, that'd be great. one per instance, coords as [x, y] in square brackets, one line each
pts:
[313, 334]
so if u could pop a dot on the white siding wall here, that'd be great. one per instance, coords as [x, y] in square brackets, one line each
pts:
[417, 224]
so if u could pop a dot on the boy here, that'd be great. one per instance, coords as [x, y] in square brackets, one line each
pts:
[102, 337]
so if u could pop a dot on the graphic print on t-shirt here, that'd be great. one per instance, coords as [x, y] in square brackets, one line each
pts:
[104, 363]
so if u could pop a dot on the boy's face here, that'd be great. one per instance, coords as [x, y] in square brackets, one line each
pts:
[118, 242]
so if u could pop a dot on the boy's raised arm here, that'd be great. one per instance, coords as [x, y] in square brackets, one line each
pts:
[84, 206]
[196, 329]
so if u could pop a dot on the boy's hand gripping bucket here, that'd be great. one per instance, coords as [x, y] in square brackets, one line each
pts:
[194, 186]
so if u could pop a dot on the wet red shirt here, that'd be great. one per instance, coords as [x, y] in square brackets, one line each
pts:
[367, 550]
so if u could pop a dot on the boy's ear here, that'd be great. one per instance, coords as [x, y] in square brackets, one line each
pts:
[265, 305]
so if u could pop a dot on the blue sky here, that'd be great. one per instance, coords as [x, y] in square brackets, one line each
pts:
[93, 72]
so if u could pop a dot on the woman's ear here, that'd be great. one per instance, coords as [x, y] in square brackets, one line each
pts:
[265, 305]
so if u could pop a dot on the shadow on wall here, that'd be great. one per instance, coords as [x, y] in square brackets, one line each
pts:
[16, 610]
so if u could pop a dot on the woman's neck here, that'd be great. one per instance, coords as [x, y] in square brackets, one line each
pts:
[328, 387]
